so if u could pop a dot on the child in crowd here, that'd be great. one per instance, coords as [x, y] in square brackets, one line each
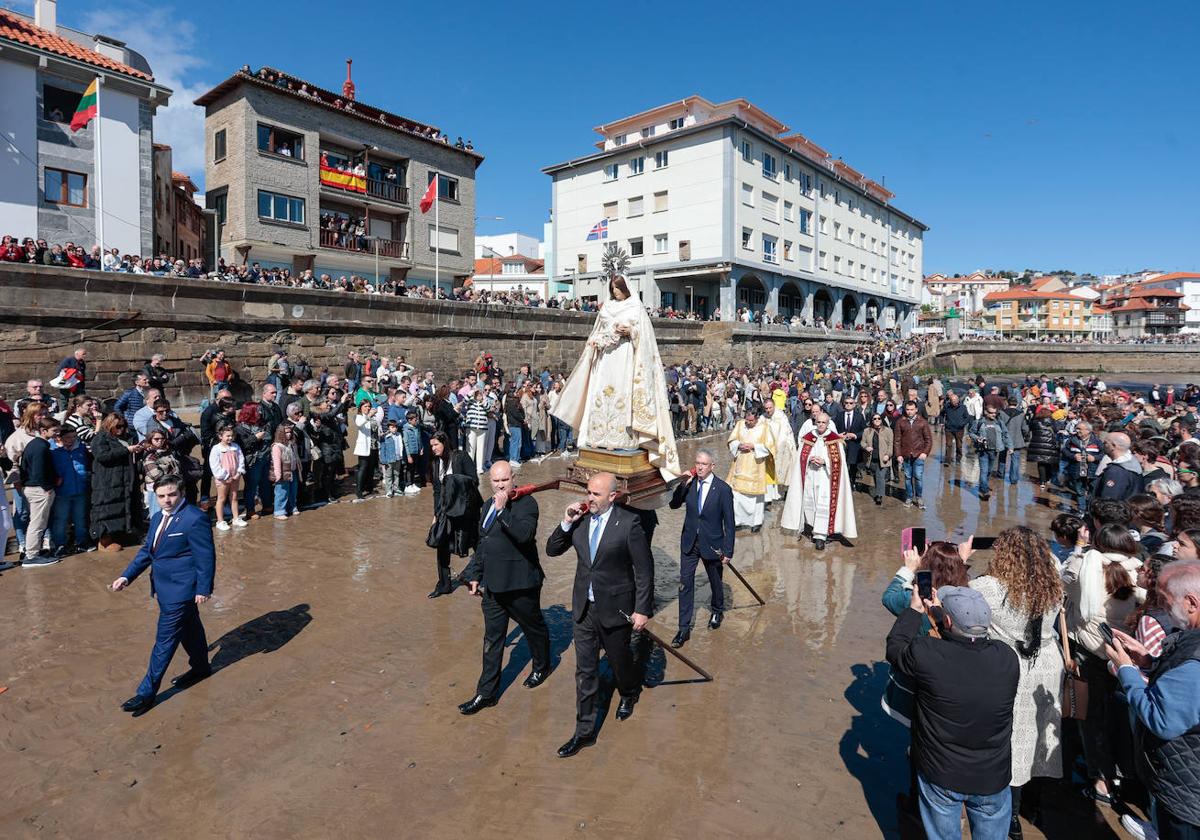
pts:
[1065, 533]
[414, 455]
[285, 472]
[73, 463]
[391, 452]
[228, 465]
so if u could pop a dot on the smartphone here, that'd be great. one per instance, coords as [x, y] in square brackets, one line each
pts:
[983, 543]
[1106, 632]
[925, 584]
[913, 538]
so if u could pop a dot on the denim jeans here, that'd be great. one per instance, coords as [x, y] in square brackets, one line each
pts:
[914, 478]
[285, 495]
[258, 485]
[514, 446]
[987, 459]
[941, 812]
[1014, 466]
[71, 509]
[20, 514]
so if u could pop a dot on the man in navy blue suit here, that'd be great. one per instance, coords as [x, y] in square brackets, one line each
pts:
[707, 535]
[182, 561]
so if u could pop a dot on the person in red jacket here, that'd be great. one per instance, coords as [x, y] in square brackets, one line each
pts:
[11, 250]
[914, 442]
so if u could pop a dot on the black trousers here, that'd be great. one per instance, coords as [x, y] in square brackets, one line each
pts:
[687, 586]
[364, 478]
[524, 607]
[590, 636]
[443, 567]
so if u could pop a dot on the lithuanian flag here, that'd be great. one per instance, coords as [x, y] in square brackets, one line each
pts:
[88, 107]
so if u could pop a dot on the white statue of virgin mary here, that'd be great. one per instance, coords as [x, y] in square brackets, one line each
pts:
[616, 398]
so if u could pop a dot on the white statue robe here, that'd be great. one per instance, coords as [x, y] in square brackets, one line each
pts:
[616, 397]
[748, 475]
[824, 500]
[779, 468]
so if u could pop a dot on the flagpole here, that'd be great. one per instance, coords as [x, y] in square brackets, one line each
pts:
[99, 177]
[437, 241]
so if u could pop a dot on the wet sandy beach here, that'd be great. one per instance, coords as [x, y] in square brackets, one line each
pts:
[332, 711]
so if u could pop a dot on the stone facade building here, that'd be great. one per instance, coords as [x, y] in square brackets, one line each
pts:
[304, 178]
[48, 178]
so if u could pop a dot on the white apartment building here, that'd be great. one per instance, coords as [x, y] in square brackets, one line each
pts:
[964, 292]
[1187, 283]
[506, 245]
[719, 207]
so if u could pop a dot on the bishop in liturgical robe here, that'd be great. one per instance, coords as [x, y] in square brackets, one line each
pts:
[820, 495]
[752, 445]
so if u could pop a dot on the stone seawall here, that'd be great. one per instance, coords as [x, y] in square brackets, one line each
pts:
[1034, 357]
[122, 319]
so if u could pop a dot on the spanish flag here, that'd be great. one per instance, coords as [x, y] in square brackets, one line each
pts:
[88, 107]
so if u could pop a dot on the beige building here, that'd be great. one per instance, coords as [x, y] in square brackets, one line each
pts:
[1044, 307]
[306, 178]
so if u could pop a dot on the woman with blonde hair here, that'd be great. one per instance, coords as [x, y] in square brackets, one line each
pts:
[1025, 593]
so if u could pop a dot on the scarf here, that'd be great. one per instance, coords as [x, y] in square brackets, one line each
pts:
[1092, 594]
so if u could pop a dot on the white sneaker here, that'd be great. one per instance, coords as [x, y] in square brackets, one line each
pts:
[240, 523]
[1139, 829]
[222, 525]
[412, 490]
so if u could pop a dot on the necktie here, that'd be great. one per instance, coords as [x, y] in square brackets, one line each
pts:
[700, 496]
[594, 540]
[161, 528]
[490, 517]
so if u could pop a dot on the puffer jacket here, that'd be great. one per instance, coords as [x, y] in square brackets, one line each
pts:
[1043, 441]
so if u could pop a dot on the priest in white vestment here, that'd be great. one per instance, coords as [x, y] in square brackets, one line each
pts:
[820, 497]
[779, 467]
[616, 398]
[752, 445]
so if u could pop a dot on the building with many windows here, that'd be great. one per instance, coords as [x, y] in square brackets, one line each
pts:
[305, 178]
[719, 207]
[1187, 284]
[1147, 308]
[50, 186]
[963, 292]
[1044, 307]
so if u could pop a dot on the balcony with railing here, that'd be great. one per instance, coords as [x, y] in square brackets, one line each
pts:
[395, 249]
[387, 190]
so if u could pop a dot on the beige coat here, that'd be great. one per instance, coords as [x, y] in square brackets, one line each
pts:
[885, 444]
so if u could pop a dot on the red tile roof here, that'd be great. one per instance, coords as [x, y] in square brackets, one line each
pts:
[1143, 292]
[19, 30]
[1027, 293]
[1176, 275]
[491, 266]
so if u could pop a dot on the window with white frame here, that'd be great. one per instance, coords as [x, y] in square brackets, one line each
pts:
[611, 171]
[660, 201]
[824, 222]
[768, 166]
[850, 234]
[610, 210]
[787, 250]
[862, 272]
[660, 243]
[443, 239]
[850, 268]
[748, 238]
[837, 264]
[747, 195]
[837, 231]
[805, 221]
[676, 123]
[747, 151]
[804, 257]
[823, 261]
[805, 183]
[637, 166]
[634, 207]
[789, 211]
[770, 207]
[862, 240]
[787, 172]
[769, 248]
[660, 159]
[635, 247]
[619, 140]
[648, 131]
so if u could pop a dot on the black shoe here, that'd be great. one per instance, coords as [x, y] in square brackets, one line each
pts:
[755, 529]
[819, 545]
[625, 707]
[575, 745]
[1014, 829]
[536, 678]
[439, 591]
[138, 705]
[715, 621]
[475, 704]
[879, 500]
[681, 637]
[190, 678]
[983, 497]
[4, 567]
[40, 560]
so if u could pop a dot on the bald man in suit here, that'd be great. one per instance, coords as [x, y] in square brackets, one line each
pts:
[614, 578]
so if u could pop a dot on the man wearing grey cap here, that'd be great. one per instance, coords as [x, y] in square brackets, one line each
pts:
[965, 684]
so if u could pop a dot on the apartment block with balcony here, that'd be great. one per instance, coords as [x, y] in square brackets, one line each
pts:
[1044, 307]
[718, 206]
[1140, 309]
[306, 178]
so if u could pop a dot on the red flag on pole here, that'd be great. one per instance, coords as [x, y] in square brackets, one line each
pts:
[430, 195]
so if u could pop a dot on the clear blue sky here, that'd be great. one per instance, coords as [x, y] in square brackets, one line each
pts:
[1046, 135]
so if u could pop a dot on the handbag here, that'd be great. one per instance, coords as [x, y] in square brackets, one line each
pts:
[1075, 687]
[439, 531]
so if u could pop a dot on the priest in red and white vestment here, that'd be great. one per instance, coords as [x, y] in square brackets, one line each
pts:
[820, 486]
